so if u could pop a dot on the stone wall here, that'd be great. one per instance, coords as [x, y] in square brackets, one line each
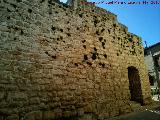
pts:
[56, 63]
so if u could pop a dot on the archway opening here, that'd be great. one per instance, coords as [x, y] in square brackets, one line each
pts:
[134, 84]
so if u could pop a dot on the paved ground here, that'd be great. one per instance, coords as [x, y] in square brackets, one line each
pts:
[151, 112]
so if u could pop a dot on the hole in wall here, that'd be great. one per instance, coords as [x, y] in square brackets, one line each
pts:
[130, 40]
[19, 0]
[105, 55]
[100, 39]
[97, 54]
[80, 15]
[140, 52]
[8, 18]
[85, 57]
[133, 46]
[76, 64]
[68, 29]
[94, 17]
[102, 30]
[42, 1]
[103, 44]
[95, 22]
[112, 41]
[22, 32]
[84, 46]
[102, 64]
[61, 38]
[46, 52]
[8, 10]
[114, 25]
[95, 49]
[15, 6]
[53, 28]
[85, 26]
[16, 28]
[29, 10]
[97, 32]
[61, 30]
[109, 31]
[68, 34]
[83, 41]
[54, 57]
[94, 56]
[89, 63]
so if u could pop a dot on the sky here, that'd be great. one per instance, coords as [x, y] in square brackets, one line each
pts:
[141, 19]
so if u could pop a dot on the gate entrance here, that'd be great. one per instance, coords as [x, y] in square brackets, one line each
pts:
[134, 84]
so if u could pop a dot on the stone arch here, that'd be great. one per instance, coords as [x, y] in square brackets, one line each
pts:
[134, 84]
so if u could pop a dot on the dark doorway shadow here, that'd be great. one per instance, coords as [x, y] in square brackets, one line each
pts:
[135, 85]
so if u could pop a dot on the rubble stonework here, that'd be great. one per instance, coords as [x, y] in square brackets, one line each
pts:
[60, 63]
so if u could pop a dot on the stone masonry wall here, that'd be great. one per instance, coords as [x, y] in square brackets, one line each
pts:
[56, 63]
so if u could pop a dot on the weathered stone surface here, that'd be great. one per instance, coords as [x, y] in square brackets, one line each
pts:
[59, 63]
[16, 96]
[13, 117]
[1, 95]
[49, 115]
[36, 115]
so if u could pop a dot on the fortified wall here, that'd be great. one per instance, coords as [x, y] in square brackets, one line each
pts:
[57, 63]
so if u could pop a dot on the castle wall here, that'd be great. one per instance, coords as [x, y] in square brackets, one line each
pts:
[56, 63]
